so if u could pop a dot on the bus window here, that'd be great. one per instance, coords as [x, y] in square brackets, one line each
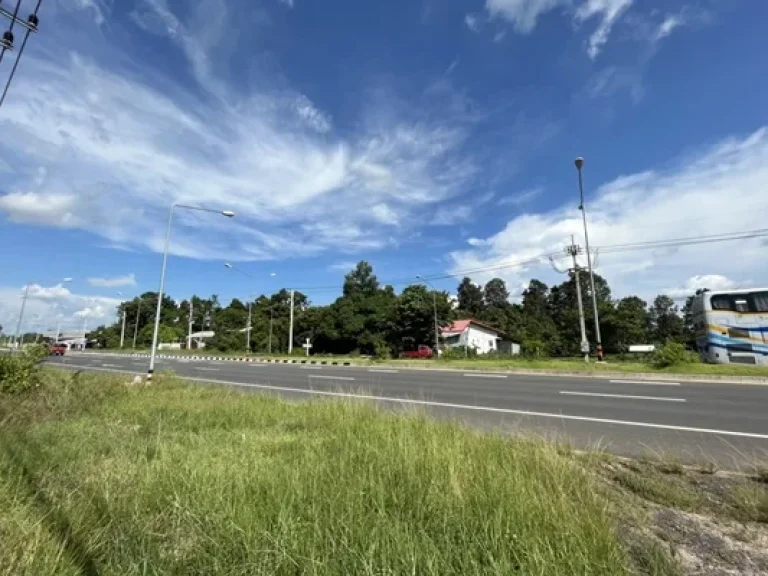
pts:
[722, 302]
[741, 305]
[760, 301]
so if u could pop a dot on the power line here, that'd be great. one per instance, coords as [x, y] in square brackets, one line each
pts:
[31, 25]
[606, 249]
[689, 241]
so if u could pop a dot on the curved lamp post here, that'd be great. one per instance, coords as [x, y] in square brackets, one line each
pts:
[226, 213]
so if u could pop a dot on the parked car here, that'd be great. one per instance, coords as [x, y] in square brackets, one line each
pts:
[421, 351]
[57, 350]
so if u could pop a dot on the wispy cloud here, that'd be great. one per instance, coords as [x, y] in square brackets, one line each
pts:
[472, 22]
[450, 215]
[524, 14]
[520, 198]
[608, 11]
[344, 266]
[270, 155]
[117, 282]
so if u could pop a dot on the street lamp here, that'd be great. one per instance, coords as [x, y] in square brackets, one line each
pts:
[434, 307]
[579, 164]
[225, 213]
[271, 314]
[24, 305]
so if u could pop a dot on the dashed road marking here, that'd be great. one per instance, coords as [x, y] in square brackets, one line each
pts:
[623, 396]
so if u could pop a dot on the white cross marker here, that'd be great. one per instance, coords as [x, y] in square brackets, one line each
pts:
[307, 346]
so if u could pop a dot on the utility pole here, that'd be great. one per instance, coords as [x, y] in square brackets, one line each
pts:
[189, 326]
[21, 316]
[248, 329]
[573, 250]
[290, 328]
[122, 332]
[269, 342]
[582, 207]
[136, 326]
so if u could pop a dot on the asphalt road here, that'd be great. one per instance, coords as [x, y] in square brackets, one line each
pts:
[725, 423]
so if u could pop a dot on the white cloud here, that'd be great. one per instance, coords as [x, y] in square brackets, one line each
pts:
[609, 12]
[344, 266]
[50, 306]
[717, 189]
[523, 14]
[96, 7]
[472, 22]
[314, 118]
[671, 22]
[450, 215]
[105, 135]
[520, 198]
[700, 282]
[117, 282]
[288, 3]
[48, 209]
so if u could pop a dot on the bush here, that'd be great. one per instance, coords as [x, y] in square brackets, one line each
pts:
[533, 348]
[672, 354]
[382, 351]
[20, 372]
[458, 353]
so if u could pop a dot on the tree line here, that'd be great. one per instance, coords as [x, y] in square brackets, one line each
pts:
[370, 318]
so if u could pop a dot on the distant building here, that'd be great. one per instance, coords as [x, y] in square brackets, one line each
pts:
[473, 334]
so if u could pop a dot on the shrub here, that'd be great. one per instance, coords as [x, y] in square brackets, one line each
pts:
[382, 351]
[533, 348]
[671, 354]
[458, 353]
[20, 372]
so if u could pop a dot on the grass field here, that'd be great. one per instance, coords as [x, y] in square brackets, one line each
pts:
[98, 477]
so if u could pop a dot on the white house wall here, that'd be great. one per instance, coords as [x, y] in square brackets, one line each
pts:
[481, 339]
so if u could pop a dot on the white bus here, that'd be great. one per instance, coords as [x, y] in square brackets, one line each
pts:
[732, 326]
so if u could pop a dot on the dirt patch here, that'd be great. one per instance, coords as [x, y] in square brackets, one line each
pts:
[707, 546]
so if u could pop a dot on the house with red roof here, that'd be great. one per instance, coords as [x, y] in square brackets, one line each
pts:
[473, 334]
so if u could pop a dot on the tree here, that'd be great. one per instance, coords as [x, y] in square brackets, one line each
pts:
[361, 281]
[539, 330]
[496, 294]
[665, 320]
[414, 315]
[627, 325]
[470, 298]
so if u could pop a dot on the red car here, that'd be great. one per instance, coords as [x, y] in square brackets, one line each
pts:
[57, 350]
[421, 352]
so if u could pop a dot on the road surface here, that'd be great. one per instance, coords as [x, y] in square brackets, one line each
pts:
[697, 422]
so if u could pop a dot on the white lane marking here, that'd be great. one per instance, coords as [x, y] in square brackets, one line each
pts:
[383, 371]
[625, 396]
[470, 375]
[206, 369]
[644, 382]
[112, 365]
[457, 406]
[330, 377]
[310, 368]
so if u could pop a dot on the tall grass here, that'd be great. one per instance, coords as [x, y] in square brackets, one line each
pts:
[100, 478]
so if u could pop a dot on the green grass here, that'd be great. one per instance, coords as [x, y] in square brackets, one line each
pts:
[100, 478]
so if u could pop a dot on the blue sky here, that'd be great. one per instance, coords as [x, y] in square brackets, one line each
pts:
[426, 136]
